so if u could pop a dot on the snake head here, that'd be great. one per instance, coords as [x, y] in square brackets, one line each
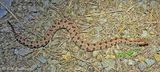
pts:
[143, 42]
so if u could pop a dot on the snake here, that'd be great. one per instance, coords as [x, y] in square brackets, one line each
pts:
[74, 32]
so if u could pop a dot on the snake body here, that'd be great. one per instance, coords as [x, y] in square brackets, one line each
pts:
[72, 28]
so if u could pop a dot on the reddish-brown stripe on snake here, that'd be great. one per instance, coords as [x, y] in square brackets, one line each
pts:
[72, 28]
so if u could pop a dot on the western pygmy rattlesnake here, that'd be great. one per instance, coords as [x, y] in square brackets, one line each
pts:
[72, 28]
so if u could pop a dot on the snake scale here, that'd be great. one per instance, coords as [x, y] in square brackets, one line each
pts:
[72, 28]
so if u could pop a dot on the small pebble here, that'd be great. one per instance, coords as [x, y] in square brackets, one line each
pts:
[144, 34]
[95, 53]
[35, 66]
[98, 64]
[131, 62]
[157, 57]
[42, 59]
[1, 50]
[38, 70]
[150, 61]
[22, 51]
[6, 3]
[82, 63]
[53, 62]
[52, 68]
[108, 64]
[158, 49]
[142, 66]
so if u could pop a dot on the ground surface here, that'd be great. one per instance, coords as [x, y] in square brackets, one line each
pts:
[97, 20]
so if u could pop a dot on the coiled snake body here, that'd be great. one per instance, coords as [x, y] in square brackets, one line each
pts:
[72, 28]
